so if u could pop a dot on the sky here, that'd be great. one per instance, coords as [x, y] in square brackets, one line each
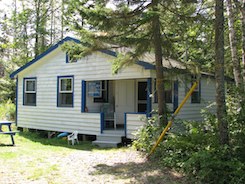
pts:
[5, 5]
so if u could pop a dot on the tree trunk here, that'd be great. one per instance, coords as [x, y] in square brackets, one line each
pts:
[37, 27]
[25, 34]
[52, 22]
[243, 40]
[219, 72]
[62, 19]
[162, 111]
[15, 24]
[233, 45]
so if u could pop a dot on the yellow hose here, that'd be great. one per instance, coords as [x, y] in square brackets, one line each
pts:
[172, 119]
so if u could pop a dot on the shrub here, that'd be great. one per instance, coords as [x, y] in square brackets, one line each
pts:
[196, 152]
[147, 135]
[7, 111]
[215, 166]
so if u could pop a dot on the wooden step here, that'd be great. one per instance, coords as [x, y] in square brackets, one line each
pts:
[106, 144]
[109, 137]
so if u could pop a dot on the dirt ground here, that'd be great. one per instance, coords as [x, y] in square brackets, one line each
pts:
[118, 166]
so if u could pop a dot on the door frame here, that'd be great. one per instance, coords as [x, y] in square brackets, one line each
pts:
[136, 94]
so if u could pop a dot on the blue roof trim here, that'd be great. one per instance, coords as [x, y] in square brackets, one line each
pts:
[109, 52]
[12, 75]
[144, 64]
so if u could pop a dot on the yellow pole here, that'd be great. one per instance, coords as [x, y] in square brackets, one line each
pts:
[172, 118]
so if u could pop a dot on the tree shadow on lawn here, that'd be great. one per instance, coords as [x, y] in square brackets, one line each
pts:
[40, 138]
[146, 172]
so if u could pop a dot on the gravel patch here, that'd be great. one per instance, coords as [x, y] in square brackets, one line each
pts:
[117, 166]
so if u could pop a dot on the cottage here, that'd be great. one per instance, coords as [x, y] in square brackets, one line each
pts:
[57, 93]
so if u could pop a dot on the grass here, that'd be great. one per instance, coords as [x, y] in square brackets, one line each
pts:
[38, 159]
[31, 154]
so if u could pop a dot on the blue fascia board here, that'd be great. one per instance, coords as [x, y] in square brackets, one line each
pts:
[12, 75]
[109, 52]
[144, 64]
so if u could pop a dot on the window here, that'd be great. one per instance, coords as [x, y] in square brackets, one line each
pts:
[168, 91]
[196, 95]
[95, 89]
[104, 93]
[30, 92]
[142, 96]
[70, 59]
[65, 91]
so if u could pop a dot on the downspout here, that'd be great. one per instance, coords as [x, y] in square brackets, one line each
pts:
[16, 102]
[83, 102]
[176, 95]
[149, 99]
[102, 118]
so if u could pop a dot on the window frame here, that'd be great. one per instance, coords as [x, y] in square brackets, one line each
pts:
[60, 91]
[104, 93]
[196, 90]
[172, 91]
[70, 59]
[95, 89]
[26, 92]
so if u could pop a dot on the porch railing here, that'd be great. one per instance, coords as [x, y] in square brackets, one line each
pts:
[132, 122]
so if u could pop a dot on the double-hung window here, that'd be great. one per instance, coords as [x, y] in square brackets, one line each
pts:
[65, 91]
[104, 93]
[168, 91]
[168, 87]
[196, 95]
[30, 93]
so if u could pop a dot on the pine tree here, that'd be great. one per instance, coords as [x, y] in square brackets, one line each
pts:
[140, 25]
[219, 72]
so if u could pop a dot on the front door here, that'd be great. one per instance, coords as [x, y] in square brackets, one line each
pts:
[125, 99]
[142, 96]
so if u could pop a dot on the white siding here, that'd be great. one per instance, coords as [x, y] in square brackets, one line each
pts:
[192, 111]
[46, 115]
[189, 111]
[134, 122]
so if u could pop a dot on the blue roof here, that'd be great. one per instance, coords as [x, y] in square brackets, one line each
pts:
[108, 52]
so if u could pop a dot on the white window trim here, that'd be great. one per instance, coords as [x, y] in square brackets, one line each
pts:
[26, 91]
[63, 78]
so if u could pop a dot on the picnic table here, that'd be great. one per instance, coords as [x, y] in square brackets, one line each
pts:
[9, 132]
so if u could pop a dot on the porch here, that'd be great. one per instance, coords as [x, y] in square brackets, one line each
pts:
[113, 99]
[115, 137]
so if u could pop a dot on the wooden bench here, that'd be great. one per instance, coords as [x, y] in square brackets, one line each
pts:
[11, 133]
